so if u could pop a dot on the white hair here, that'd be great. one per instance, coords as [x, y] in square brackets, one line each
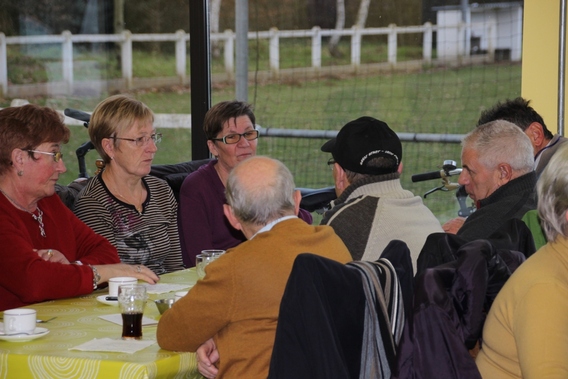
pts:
[552, 188]
[501, 141]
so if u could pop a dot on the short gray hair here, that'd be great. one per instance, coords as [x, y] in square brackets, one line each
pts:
[501, 141]
[552, 188]
[264, 198]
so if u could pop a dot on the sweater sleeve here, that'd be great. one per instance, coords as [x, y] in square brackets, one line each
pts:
[541, 332]
[92, 247]
[25, 278]
[202, 313]
[193, 223]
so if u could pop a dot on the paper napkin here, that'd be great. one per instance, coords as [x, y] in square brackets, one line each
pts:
[114, 345]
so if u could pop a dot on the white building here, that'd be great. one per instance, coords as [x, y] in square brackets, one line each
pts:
[495, 29]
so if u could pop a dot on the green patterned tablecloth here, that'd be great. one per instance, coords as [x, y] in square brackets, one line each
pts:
[78, 322]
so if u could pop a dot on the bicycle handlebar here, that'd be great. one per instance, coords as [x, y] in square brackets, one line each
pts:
[427, 176]
[78, 115]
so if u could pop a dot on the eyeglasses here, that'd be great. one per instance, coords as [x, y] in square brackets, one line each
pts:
[56, 156]
[233, 138]
[143, 141]
[331, 162]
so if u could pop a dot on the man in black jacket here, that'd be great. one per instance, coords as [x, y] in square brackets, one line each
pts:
[497, 160]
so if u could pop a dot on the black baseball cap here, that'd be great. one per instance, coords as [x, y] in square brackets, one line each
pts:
[361, 140]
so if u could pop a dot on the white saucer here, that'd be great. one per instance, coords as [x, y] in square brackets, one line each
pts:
[38, 333]
[101, 299]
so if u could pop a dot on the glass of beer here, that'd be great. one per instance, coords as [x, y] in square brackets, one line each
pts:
[132, 300]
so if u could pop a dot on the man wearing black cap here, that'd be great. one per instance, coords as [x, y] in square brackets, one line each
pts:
[372, 208]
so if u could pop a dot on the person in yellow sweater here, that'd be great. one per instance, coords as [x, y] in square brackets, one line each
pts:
[526, 332]
[232, 313]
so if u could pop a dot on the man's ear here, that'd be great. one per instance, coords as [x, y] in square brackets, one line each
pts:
[535, 133]
[228, 210]
[341, 182]
[399, 170]
[297, 201]
[505, 173]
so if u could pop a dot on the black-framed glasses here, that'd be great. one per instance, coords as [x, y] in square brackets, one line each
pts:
[143, 141]
[331, 162]
[233, 138]
[56, 156]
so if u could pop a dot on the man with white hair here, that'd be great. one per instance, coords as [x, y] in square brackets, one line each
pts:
[498, 174]
[232, 313]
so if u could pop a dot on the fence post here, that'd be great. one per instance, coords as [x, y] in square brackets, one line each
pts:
[67, 61]
[3, 65]
[461, 39]
[274, 52]
[392, 44]
[126, 52]
[492, 39]
[356, 46]
[181, 55]
[229, 54]
[316, 47]
[427, 43]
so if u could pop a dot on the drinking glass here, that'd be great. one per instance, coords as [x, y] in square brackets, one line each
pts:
[202, 260]
[132, 300]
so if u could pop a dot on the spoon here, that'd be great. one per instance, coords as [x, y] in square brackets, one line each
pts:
[44, 321]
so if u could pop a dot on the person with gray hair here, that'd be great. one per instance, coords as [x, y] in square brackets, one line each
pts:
[233, 311]
[498, 174]
[526, 333]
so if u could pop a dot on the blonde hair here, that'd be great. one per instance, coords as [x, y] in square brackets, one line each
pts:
[115, 115]
[552, 188]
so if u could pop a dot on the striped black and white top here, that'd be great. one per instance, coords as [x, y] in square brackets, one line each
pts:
[150, 238]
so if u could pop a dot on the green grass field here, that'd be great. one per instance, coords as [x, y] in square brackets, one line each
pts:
[435, 100]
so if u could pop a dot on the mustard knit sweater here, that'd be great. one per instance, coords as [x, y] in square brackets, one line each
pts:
[238, 301]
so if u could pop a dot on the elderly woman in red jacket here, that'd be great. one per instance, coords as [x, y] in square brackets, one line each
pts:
[47, 252]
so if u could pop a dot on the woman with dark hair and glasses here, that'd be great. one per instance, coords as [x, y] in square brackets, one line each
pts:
[231, 137]
[47, 252]
[136, 212]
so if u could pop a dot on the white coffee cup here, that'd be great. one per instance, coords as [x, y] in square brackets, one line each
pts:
[19, 320]
[180, 294]
[113, 283]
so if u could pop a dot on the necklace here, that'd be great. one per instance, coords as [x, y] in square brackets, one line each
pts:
[38, 217]
[137, 204]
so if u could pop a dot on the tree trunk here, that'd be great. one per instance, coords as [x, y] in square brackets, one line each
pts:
[362, 14]
[339, 24]
[214, 23]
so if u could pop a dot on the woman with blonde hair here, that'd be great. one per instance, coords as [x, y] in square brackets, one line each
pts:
[136, 212]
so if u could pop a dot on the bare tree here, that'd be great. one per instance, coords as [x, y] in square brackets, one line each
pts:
[362, 14]
[215, 10]
[339, 24]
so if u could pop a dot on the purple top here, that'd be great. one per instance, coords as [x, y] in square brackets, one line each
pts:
[201, 222]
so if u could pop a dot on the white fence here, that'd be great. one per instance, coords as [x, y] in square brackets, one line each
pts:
[181, 38]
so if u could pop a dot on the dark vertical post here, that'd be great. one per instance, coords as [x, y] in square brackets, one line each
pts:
[562, 67]
[200, 75]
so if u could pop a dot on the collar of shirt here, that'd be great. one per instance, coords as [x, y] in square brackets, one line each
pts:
[539, 154]
[271, 224]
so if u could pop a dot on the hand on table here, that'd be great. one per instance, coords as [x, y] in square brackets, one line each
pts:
[207, 356]
[453, 225]
[122, 269]
[52, 255]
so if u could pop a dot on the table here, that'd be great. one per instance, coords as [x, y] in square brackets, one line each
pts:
[78, 322]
